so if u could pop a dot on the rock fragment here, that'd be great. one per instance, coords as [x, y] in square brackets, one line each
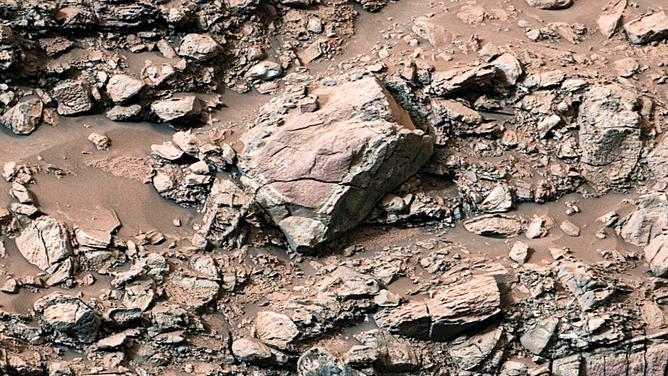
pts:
[174, 109]
[44, 242]
[609, 22]
[495, 224]
[519, 252]
[275, 328]
[123, 113]
[570, 228]
[626, 67]
[122, 87]
[471, 353]
[257, 353]
[24, 117]
[100, 141]
[320, 362]
[68, 316]
[199, 47]
[498, 200]
[536, 339]
[73, 97]
[550, 4]
[264, 71]
[647, 28]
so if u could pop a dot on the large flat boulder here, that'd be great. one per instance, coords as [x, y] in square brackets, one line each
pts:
[647, 28]
[609, 134]
[320, 173]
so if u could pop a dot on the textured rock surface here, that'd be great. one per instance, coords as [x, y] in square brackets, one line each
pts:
[24, 117]
[122, 87]
[68, 316]
[320, 173]
[647, 28]
[450, 311]
[44, 242]
[609, 134]
[550, 4]
[177, 108]
[73, 97]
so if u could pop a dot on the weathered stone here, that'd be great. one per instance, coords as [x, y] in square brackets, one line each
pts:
[519, 253]
[648, 221]
[647, 28]
[123, 113]
[475, 350]
[154, 75]
[455, 111]
[450, 311]
[21, 193]
[550, 4]
[609, 134]
[449, 82]
[264, 71]
[569, 366]
[100, 141]
[508, 67]
[255, 352]
[498, 200]
[122, 87]
[24, 117]
[495, 225]
[320, 173]
[167, 150]
[275, 328]
[569, 228]
[393, 354]
[547, 124]
[589, 289]
[177, 108]
[192, 293]
[320, 362]
[536, 339]
[68, 316]
[432, 30]
[609, 21]
[656, 253]
[626, 67]
[199, 46]
[44, 242]
[73, 97]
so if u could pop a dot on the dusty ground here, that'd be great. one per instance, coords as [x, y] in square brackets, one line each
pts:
[160, 290]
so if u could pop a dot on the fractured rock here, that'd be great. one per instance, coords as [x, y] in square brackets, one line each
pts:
[550, 4]
[475, 350]
[609, 21]
[155, 75]
[536, 339]
[256, 352]
[519, 253]
[498, 200]
[320, 173]
[647, 28]
[393, 354]
[122, 87]
[318, 361]
[648, 221]
[275, 328]
[44, 242]
[198, 46]
[264, 71]
[177, 108]
[73, 97]
[24, 117]
[192, 293]
[450, 311]
[570, 228]
[69, 316]
[609, 134]
[123, 113]
[495, 225]
[448, 82]
[430, 29]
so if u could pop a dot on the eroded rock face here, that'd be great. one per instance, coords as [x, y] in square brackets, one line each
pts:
[24, 117]
[320, 173]
[609, 134]
[73, 97]
[450, 311]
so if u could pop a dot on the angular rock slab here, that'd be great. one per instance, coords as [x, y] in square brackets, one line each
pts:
[44, 242]
[68, 316]
[320, 173]
[452, 310]
[647, 28]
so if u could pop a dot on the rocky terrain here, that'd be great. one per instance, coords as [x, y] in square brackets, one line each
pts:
[324, 187]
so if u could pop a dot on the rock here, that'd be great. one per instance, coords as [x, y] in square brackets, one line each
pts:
[92, 238]
[432, 30]
[570, 228]
[24, 209]
[198, 47]
[68, 316]
[177, 108]
[73, 97]
[318, 175]
[545, 80]
[519, 253]
[167, 150]
[44, 242]
[547, 124]
[536, 339]
[647, 28]
[59, 369]
[257, 353]
[275, 328]
[498, 200]
[582, 281]
[609, 219]
[24, 117]
[657, 255]
[609, 22]
[535, 229]
[10, 286]
[455, 111]
[100, 141]
[386, 298]
[320, 362]
[649, 220]
[449, 82]
[626, 67]
[191, 293]
[111, 342]
[514, 368]
[154, 75]
[450, 311]
[550, 4]
[495, 225]
[609, 134]
[489, 52]
[122, 87]
[123, 113]
[508, 67]
[471, 353]
[569, 366]
[361, 356]
[264, 71]
[21, 193]
[392, 353]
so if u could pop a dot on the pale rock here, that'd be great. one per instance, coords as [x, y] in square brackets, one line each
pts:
[626, 67]
[535, 340]
[547, 124]
[509, 68]
[647, 28]
[275, 328]
[198, 47]
[257, 353]
[475, 350]
[570, 228]
[24, 117]
[122, 87]
[264, 71]
[498, 200]
[609, 22]
[73, 97]
[495, 225]
[44, 242]
[519, 252]
[167, 150]
[550, 4]
[100, 141]
[68, 316]
[154, 75]
[123, 113]
[177, 108]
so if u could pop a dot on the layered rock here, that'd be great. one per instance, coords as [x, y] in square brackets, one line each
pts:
[450, 311]
[320, 173]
